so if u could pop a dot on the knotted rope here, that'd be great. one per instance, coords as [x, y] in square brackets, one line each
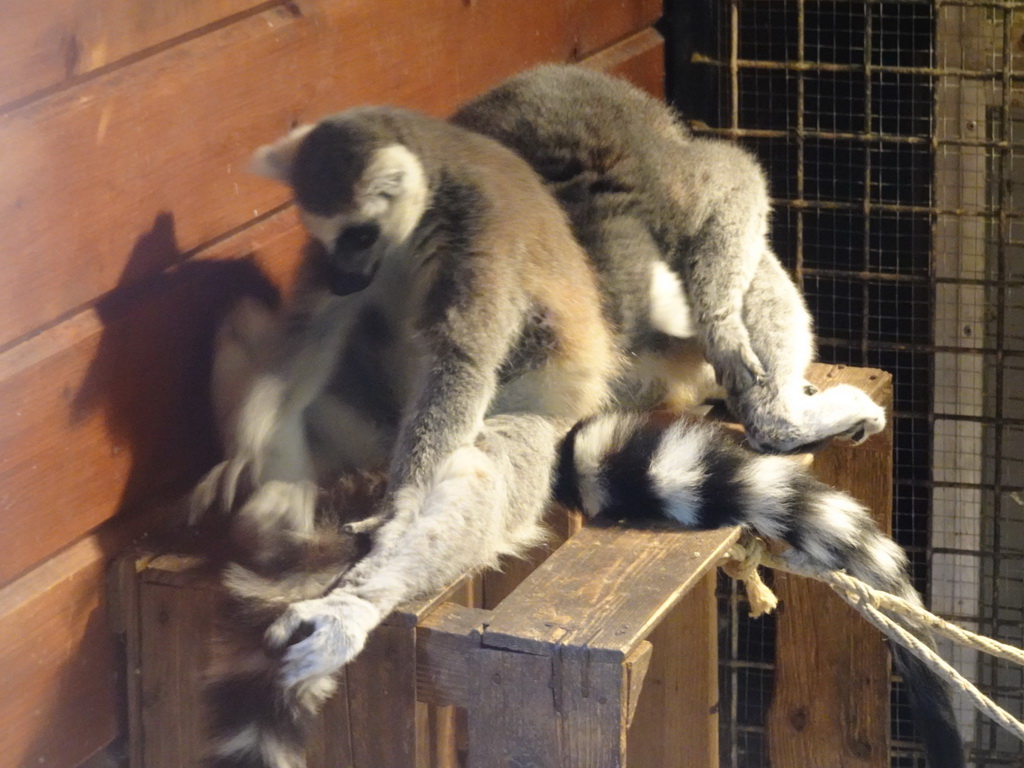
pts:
[742, 562]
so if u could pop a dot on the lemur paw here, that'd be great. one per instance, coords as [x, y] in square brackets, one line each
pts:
[865, 417]
[318, 637]
[796, 422]
[228, 483]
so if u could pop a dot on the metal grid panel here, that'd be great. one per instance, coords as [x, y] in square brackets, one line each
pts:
[893, 136]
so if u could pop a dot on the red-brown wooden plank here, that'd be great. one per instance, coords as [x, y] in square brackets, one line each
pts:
[88, 171]
[639, 58]
[46, 42]
[830, 706]
[602, 22]
[57, 661]
[102, 410]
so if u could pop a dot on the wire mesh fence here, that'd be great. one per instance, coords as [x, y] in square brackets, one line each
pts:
[892, 132]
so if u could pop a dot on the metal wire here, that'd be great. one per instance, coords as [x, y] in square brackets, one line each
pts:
[892, 132]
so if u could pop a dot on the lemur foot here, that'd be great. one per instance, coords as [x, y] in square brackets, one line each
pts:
[318, 637]
[846, 405]
[794, 422]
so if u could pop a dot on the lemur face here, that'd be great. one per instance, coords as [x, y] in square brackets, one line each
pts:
[357, 195]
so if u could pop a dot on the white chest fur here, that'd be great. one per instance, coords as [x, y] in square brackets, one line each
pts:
[670, 311]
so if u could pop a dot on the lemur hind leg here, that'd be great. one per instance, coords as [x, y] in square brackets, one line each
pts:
[721, 191]
[484, 501]
[748, 309]
[786, 413]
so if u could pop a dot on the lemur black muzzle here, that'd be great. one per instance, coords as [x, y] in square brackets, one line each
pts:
[342, 282]
[352, 244]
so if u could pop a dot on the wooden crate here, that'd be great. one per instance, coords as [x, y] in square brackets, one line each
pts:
[597, 652]
[552, 676]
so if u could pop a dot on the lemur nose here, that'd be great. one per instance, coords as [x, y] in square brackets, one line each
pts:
[343, 283]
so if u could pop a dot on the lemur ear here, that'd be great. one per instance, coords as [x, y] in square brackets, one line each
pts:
[274, 161]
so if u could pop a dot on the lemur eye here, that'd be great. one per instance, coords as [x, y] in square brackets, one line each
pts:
[358, 237]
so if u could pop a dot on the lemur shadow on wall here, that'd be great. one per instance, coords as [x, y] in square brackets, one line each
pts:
[147, 383]
[149, 377]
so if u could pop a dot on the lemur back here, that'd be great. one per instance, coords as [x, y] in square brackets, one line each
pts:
[450, 329]
[677, 229]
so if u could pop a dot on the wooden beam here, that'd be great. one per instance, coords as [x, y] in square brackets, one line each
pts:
[676, 723]
[511, 714]
[606, 588]
[44, 43]
[445, 641]
[831, 703]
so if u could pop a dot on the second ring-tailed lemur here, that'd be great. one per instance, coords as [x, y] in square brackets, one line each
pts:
[449, 329]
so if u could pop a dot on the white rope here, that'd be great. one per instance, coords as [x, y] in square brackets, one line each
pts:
[742, 562]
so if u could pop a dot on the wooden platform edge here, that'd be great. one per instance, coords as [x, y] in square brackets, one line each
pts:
[636, 575]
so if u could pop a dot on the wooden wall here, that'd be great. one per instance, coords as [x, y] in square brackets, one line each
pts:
[129, 225]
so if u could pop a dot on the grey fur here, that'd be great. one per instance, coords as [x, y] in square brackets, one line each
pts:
[493, 333]
[489, 334]
[639, 189]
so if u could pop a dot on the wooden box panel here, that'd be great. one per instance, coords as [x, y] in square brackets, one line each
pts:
[44, 43]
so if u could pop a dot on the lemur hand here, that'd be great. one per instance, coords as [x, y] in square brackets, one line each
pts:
[228, 484]
[318, 637]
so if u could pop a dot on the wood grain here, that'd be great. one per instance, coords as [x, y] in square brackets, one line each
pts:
[676, 722]
[514, 689]
[382, 700]
[591, 698]
[176, 625]
[637, 665]
[44, 43]
[831, 701]
[330, 745]
[59, 655]
[498, 584]
[445, 641]
[606, 588]
[96, 165]
[57, 662]
[640, 59]
[106, 409]
[602, 23]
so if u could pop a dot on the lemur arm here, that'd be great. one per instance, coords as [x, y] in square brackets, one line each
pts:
[468, 335]
[298, 372]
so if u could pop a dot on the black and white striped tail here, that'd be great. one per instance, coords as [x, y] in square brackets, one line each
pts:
[252, 720]
[629, 465]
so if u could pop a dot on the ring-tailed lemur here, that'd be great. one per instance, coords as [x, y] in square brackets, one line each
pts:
[448, 328]
[677, 228]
